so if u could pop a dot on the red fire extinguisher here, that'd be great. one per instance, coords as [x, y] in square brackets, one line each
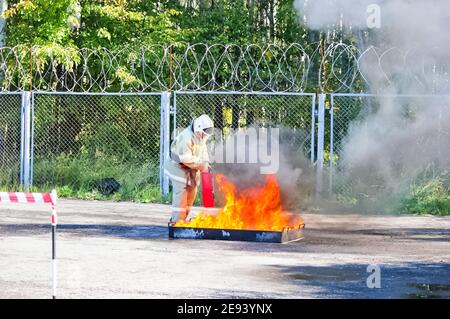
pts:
[208, 189]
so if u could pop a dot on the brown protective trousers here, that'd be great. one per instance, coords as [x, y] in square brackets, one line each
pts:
[184, 189]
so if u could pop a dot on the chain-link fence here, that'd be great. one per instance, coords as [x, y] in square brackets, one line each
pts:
[371, 138]
[345, 110]
[79, 139]
[233, 110]
[10, 133]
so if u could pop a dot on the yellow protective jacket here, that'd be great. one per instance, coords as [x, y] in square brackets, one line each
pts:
[188, 149]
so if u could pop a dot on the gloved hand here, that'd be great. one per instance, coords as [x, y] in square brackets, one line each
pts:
[206, 168]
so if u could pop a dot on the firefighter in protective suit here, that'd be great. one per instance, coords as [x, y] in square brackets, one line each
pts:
[188, 157]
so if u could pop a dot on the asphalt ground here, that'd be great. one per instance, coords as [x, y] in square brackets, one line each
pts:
[122, 250]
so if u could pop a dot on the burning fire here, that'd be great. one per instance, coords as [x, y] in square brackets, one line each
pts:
[256, 208]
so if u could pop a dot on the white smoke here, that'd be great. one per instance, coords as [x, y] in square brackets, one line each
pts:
[292, 167]
[385, 150]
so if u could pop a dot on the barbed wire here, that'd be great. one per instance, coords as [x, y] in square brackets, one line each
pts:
[339, 67]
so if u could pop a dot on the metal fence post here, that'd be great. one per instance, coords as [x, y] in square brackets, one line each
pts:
[165, 141]
[32, 139]
[313, 128]
[330, 179]
[25, 141]
[320, 144]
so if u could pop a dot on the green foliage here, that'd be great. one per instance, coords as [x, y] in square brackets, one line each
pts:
[54, 30]
[99, 23]
[125, 26]
[110, 141]
[73, 177]
[429, 197]
[39, 22]
[131, 23]
[122, 23]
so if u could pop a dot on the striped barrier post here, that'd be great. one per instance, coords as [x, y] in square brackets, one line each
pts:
[54, 222]
[38, 198]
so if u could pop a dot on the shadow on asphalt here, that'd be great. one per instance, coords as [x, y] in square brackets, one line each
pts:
[408, 280]
[425, 234]
[131, 232]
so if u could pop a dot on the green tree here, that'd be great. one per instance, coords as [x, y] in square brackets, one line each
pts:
[41, 22]
[123, 23]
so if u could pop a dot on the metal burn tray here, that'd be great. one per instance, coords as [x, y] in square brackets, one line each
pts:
[284, 236]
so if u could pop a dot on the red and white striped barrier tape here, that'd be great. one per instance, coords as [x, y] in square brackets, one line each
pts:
[38, 198]
[30, 198]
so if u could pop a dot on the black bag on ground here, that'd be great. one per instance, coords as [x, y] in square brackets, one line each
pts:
[106, 186]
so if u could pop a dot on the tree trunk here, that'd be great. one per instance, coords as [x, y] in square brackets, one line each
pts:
[271, 15]
[3, 8]
[251, 15]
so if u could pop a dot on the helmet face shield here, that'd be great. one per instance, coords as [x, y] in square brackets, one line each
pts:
[208, 130]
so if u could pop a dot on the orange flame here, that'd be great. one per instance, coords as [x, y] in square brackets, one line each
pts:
[256, 208]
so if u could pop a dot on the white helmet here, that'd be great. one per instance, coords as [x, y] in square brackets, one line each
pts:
[204, 124]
